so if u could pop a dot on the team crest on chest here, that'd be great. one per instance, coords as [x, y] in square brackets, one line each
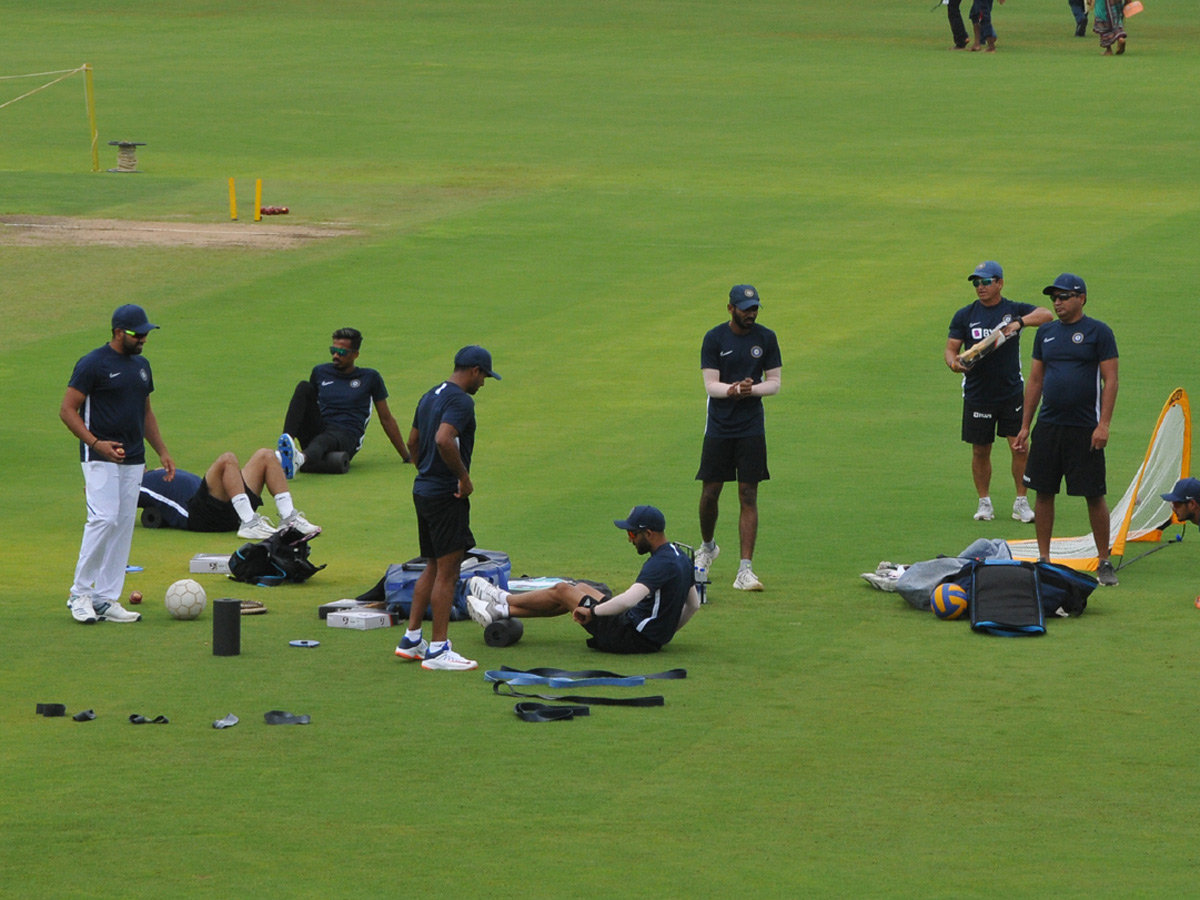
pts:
[1077, 337]
[356, 383]
[756, 351]
[145, 377]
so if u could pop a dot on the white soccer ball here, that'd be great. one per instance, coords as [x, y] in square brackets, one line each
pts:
[186, 599]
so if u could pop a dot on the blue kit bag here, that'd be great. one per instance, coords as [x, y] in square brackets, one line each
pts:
[1011, 598]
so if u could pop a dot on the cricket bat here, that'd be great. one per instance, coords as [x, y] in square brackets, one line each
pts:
[983, 348]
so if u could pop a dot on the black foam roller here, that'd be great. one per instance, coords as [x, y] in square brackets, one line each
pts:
[503, 632]
[227, 627]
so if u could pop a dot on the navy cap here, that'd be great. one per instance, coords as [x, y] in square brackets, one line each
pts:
[131, 317]
[1185, 489]
[475, 355]
[987, 269]
[1066, 282]
[643, 518]
[744, 296]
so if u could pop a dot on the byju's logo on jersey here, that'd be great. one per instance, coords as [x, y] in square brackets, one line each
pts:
[756, 351]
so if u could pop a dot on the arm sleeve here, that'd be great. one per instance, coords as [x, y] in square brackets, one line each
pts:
[630, 598]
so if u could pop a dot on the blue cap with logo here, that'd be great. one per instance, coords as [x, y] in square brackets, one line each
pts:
[744, 296]
[1185, 489]
[987, 269]
[131, 317]
[643, 518]
[1066, 283]
[474, 355]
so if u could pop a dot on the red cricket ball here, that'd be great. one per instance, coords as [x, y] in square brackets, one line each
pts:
[135, 597]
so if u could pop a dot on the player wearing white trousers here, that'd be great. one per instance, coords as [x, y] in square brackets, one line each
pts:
[112, 496]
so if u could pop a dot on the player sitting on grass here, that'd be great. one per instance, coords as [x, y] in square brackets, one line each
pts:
[643, 619]
[224, 498]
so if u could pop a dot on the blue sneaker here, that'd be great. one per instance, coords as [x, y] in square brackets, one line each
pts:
[414, 650]
[286, 451]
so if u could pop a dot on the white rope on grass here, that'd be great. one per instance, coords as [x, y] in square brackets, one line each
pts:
[68, 74]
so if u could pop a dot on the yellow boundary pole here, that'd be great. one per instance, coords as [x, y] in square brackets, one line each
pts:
[258, 200]
[232, 201]
[90, 96]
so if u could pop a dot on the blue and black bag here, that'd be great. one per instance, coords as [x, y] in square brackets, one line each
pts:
[1011, 598]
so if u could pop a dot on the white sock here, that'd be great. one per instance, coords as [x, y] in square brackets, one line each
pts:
[709, 545]
[745, 564]
[436, 647]
[283, 503]
[414, 636]
[241, 506]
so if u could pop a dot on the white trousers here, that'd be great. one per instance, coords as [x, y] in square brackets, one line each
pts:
[112, 496]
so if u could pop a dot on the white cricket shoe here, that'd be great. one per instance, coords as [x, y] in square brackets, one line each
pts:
[296, 520]
[747, 581]
[257, 529]
[483, 611]
[447, 660]
[413, 650]
[115, 612]
[704, 558]
[485, 590]
[1021, 510]
[984, 513]
[81, 609]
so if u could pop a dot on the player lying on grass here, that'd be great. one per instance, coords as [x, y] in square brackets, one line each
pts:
[225, 498]
[643, 619]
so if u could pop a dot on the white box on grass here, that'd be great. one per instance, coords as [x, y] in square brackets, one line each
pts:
[359, 619]
[209, 564]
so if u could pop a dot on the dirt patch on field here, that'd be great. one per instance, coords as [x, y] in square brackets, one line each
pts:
[43, 230]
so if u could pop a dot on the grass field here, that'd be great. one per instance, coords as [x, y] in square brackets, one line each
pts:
[577, 186]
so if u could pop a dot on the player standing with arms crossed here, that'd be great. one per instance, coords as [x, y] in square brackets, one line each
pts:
[740, 364]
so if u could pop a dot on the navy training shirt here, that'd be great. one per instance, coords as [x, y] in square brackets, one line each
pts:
[345, 398]
[738, 356]
[669, 575]
[1071, 356]
[116, 388]
[171, 498]
[445, 403]
[997, 376]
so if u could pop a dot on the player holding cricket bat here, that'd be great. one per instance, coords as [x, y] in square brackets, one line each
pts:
[985, 348]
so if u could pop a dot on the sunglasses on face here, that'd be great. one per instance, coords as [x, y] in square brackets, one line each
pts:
[1059, 298]
[340, 351]
[138, 335]
[983, 282]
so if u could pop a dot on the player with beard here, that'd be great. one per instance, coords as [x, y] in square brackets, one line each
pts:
[740, 364]
[107, 406]
[329, 412]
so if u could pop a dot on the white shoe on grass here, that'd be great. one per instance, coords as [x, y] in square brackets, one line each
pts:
[448, 661]
[115, 612]
[747, 581]
[984, 513]
[1022, 511]
[413, 650]
[81, 609]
